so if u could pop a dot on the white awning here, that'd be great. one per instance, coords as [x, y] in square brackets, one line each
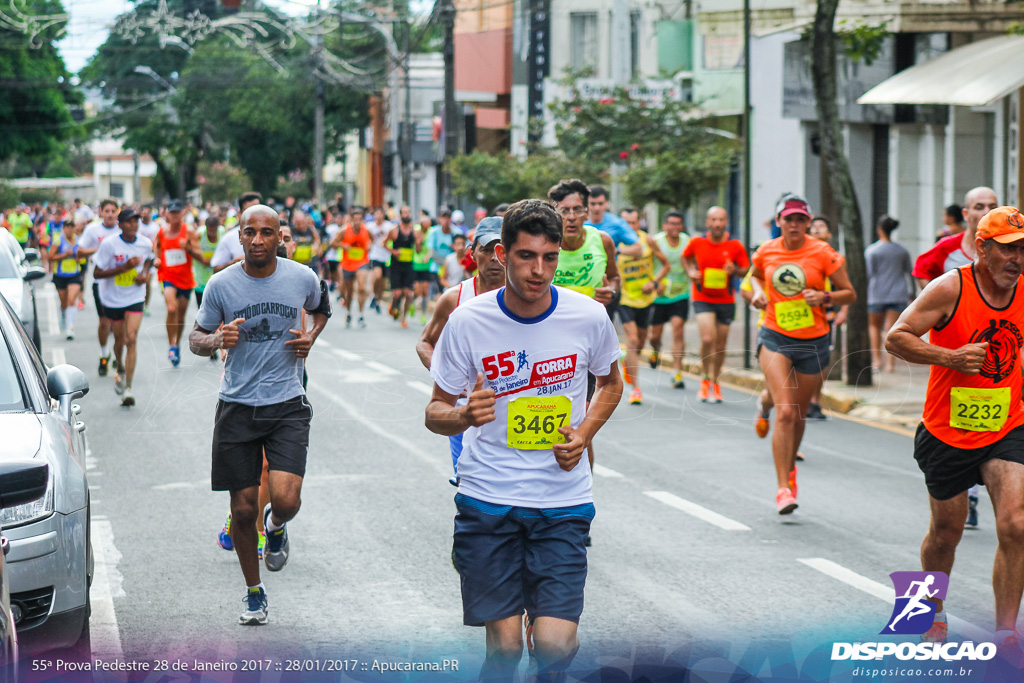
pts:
[972, 75]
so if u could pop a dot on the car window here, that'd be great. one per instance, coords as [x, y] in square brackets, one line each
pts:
[11, 395]
[7, 267]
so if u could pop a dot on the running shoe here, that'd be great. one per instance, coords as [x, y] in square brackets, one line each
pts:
[626, 377]
[972, 512]
[405, 323]
[716, 393]
[127, 399]
[104, 365]
[705, 387]
[71, 334]
[261, 544]
[423, 318]
[348, 321]
[1010, 649]
[677, 381]
[145, 312]
[814, 412]
[936, 634]
[224, 537]
[119, 383]
[255, 612]
[785, 501]
[454, 480]
[792, 481]
[275, 554]
[362, 323]
[799, 456]
[174, 356]
[655, 359]
[81, 304]
[636, 397]
[761, 424]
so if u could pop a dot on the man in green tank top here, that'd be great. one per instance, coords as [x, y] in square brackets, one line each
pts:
[208, 240]
[673, 302]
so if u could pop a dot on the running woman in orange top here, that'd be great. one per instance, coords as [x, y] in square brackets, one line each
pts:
[176, 246]
[788, 280]
[973, 426]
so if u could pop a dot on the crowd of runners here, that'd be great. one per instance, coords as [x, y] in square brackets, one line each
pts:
[518, 315]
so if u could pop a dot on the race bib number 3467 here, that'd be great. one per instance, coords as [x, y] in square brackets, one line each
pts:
[533, 421]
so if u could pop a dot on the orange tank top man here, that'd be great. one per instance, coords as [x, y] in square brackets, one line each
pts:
[973, 426]
[176, 246]
[354, 242]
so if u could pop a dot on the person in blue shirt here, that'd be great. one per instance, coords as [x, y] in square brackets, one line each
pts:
[626, 241]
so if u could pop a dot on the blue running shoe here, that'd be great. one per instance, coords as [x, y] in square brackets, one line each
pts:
[275, 554]
[224, 537]
[174, 356]
[255, 612]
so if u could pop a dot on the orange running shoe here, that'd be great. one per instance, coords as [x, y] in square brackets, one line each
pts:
[626, 377]
[936, 634]
[705, 387]
[785, 501]
[405, 323]
[761, 424]
[792, 481]
[636, 397]
[716, 393]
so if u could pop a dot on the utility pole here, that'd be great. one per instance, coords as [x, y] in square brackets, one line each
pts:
[747, 129]
[136, 180]
[318, 127]
[451, 133]
[410, 134]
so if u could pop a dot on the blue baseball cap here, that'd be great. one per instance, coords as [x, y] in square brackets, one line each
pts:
[487, 231]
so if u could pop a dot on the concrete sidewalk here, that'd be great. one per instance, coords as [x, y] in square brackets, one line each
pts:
[895, 398]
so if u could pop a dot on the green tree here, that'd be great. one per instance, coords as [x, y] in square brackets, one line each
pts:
[37, 99]
[492, 179]
[222, 182]
[672, 156]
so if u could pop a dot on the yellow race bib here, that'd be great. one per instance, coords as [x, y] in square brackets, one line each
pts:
[405, 255]
[715, 278]
[356, 253]
[126, 279]
[979, 410]
[793, 315]
[303, 253]
[68, 265]
[533, 421]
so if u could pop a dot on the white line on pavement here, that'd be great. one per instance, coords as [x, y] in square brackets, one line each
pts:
[602, 471]
[106, 585]
[886, 593]
[374, 426]
[347, 355]
[381, 368]
[323, 343]
[53, 314]
[421, 387]
[698, 511]
[58, 356]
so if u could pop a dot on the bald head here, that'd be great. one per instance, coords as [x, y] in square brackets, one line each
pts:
[260, 210]
[977, 203]
[717, 221]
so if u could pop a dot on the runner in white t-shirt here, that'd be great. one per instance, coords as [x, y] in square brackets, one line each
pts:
[122, 269]
[380, 257]
[93, 235]
[525, 502]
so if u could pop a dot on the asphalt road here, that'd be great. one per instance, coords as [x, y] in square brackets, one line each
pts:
[690, 566]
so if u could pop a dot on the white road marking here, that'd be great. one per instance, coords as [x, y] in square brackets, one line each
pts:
[380, 430]
[421, 387]
[886, 593]
[58, 356]
[698, 511]
[323, 343]
[381, 368]
[106, 585]
[347, 355]
[179, 485]
[53, 314]
[602, 471]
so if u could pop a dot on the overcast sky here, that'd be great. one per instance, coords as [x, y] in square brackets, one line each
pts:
[91, 21]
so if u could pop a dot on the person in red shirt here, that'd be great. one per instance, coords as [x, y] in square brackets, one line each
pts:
[176, 246]
[712, 262]
[956, 250]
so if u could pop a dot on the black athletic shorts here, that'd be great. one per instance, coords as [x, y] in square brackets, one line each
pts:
[591, 385]
[62, 282]
[96, 299]
[640, 316]
[663, 313]
[117, 314]
[949, 471]
[242, 434]
[185, 294]
[402, 277]
[724, 313]
[423, 276]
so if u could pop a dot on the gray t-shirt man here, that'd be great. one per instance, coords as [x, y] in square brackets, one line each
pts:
[889, 273]
[260, 369]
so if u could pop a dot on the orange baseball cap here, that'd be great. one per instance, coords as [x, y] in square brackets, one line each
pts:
[1004, 225]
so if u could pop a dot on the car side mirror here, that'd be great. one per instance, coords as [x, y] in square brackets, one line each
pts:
[66, 383]
[34, 273]
[22, 481]
[32, 255]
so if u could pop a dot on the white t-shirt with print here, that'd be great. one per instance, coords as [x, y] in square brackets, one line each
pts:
[94, 234]
[228, 249]
[118, 291]
[549, 355]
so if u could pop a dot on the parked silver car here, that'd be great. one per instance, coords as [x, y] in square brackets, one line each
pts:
[18, 272]
[49, 564]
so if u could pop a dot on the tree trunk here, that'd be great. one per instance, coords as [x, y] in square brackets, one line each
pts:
[823, 71]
